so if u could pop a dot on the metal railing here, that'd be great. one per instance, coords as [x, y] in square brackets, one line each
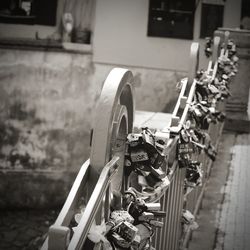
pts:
[93, 182]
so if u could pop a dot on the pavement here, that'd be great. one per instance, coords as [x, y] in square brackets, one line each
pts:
[234, 222]
[224, 219]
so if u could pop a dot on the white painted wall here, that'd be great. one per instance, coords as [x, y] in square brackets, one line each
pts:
[120, 36]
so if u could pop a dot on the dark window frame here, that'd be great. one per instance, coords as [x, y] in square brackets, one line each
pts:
[208, 23]
[167, 19]
[42, 12]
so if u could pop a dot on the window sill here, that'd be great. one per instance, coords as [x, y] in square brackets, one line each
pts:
[17, 19]
[78, 47]
[44, 45]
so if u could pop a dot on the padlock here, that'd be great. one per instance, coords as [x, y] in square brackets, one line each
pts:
[184, 136]
[221, 117]
[183, 160]
[203, 136]
[208, 45]
[187, 217]
[185, 148]
[119, 241]
[189, 221]
[159, 214]
[213, 89]
[206, 121]
[158, 173]
[142, 166]
[157, 160]
[134, 139]
[138, 155]
[145, 232]
[197, 112]
[153, 206]
[152, 180]
[193, 135]
[210, 150]
[187, 125]
[162, 137]
[224, 77]
[235, 59]
[126, 230]
[118, 216]
[109, 225]
[202, 108]
[148, 139]
[193, 173]
[156, 223]
[146, 216]
[136, 242]
[136, 209]
[128, 197]
[208, 52]
[200, 75]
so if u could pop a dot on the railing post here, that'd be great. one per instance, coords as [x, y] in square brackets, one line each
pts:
[194, 62]
[58, 238]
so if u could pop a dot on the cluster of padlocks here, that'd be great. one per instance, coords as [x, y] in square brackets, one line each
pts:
[209, 91]
[133, 226]
[146, 158]
[137, 213]
[133, 223]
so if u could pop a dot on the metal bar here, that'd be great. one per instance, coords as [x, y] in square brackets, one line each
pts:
[177, 106]
[215, 70]
[178, 184]
[185, 112]
[88, 216]
[157, 239]
[177, 211]
[67, 211]
[171, 215]
[163, 231]
[166, 224]
[76, 190]
[174, 212]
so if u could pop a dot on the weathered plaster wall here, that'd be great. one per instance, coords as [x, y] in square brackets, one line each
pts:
[47, 101]
[155, 89]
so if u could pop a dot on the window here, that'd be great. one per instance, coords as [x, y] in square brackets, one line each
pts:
[245, 15]
[211, 19]
[171, 18]
[41, 12]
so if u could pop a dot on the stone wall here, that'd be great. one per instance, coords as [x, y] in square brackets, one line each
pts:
[47, 101]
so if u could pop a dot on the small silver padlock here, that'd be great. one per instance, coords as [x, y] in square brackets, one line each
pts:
[126, 230]
[139, 155]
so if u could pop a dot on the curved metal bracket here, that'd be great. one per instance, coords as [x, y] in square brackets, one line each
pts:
[216, 49]
[194, 62]
[117, 90]
[226, 38]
